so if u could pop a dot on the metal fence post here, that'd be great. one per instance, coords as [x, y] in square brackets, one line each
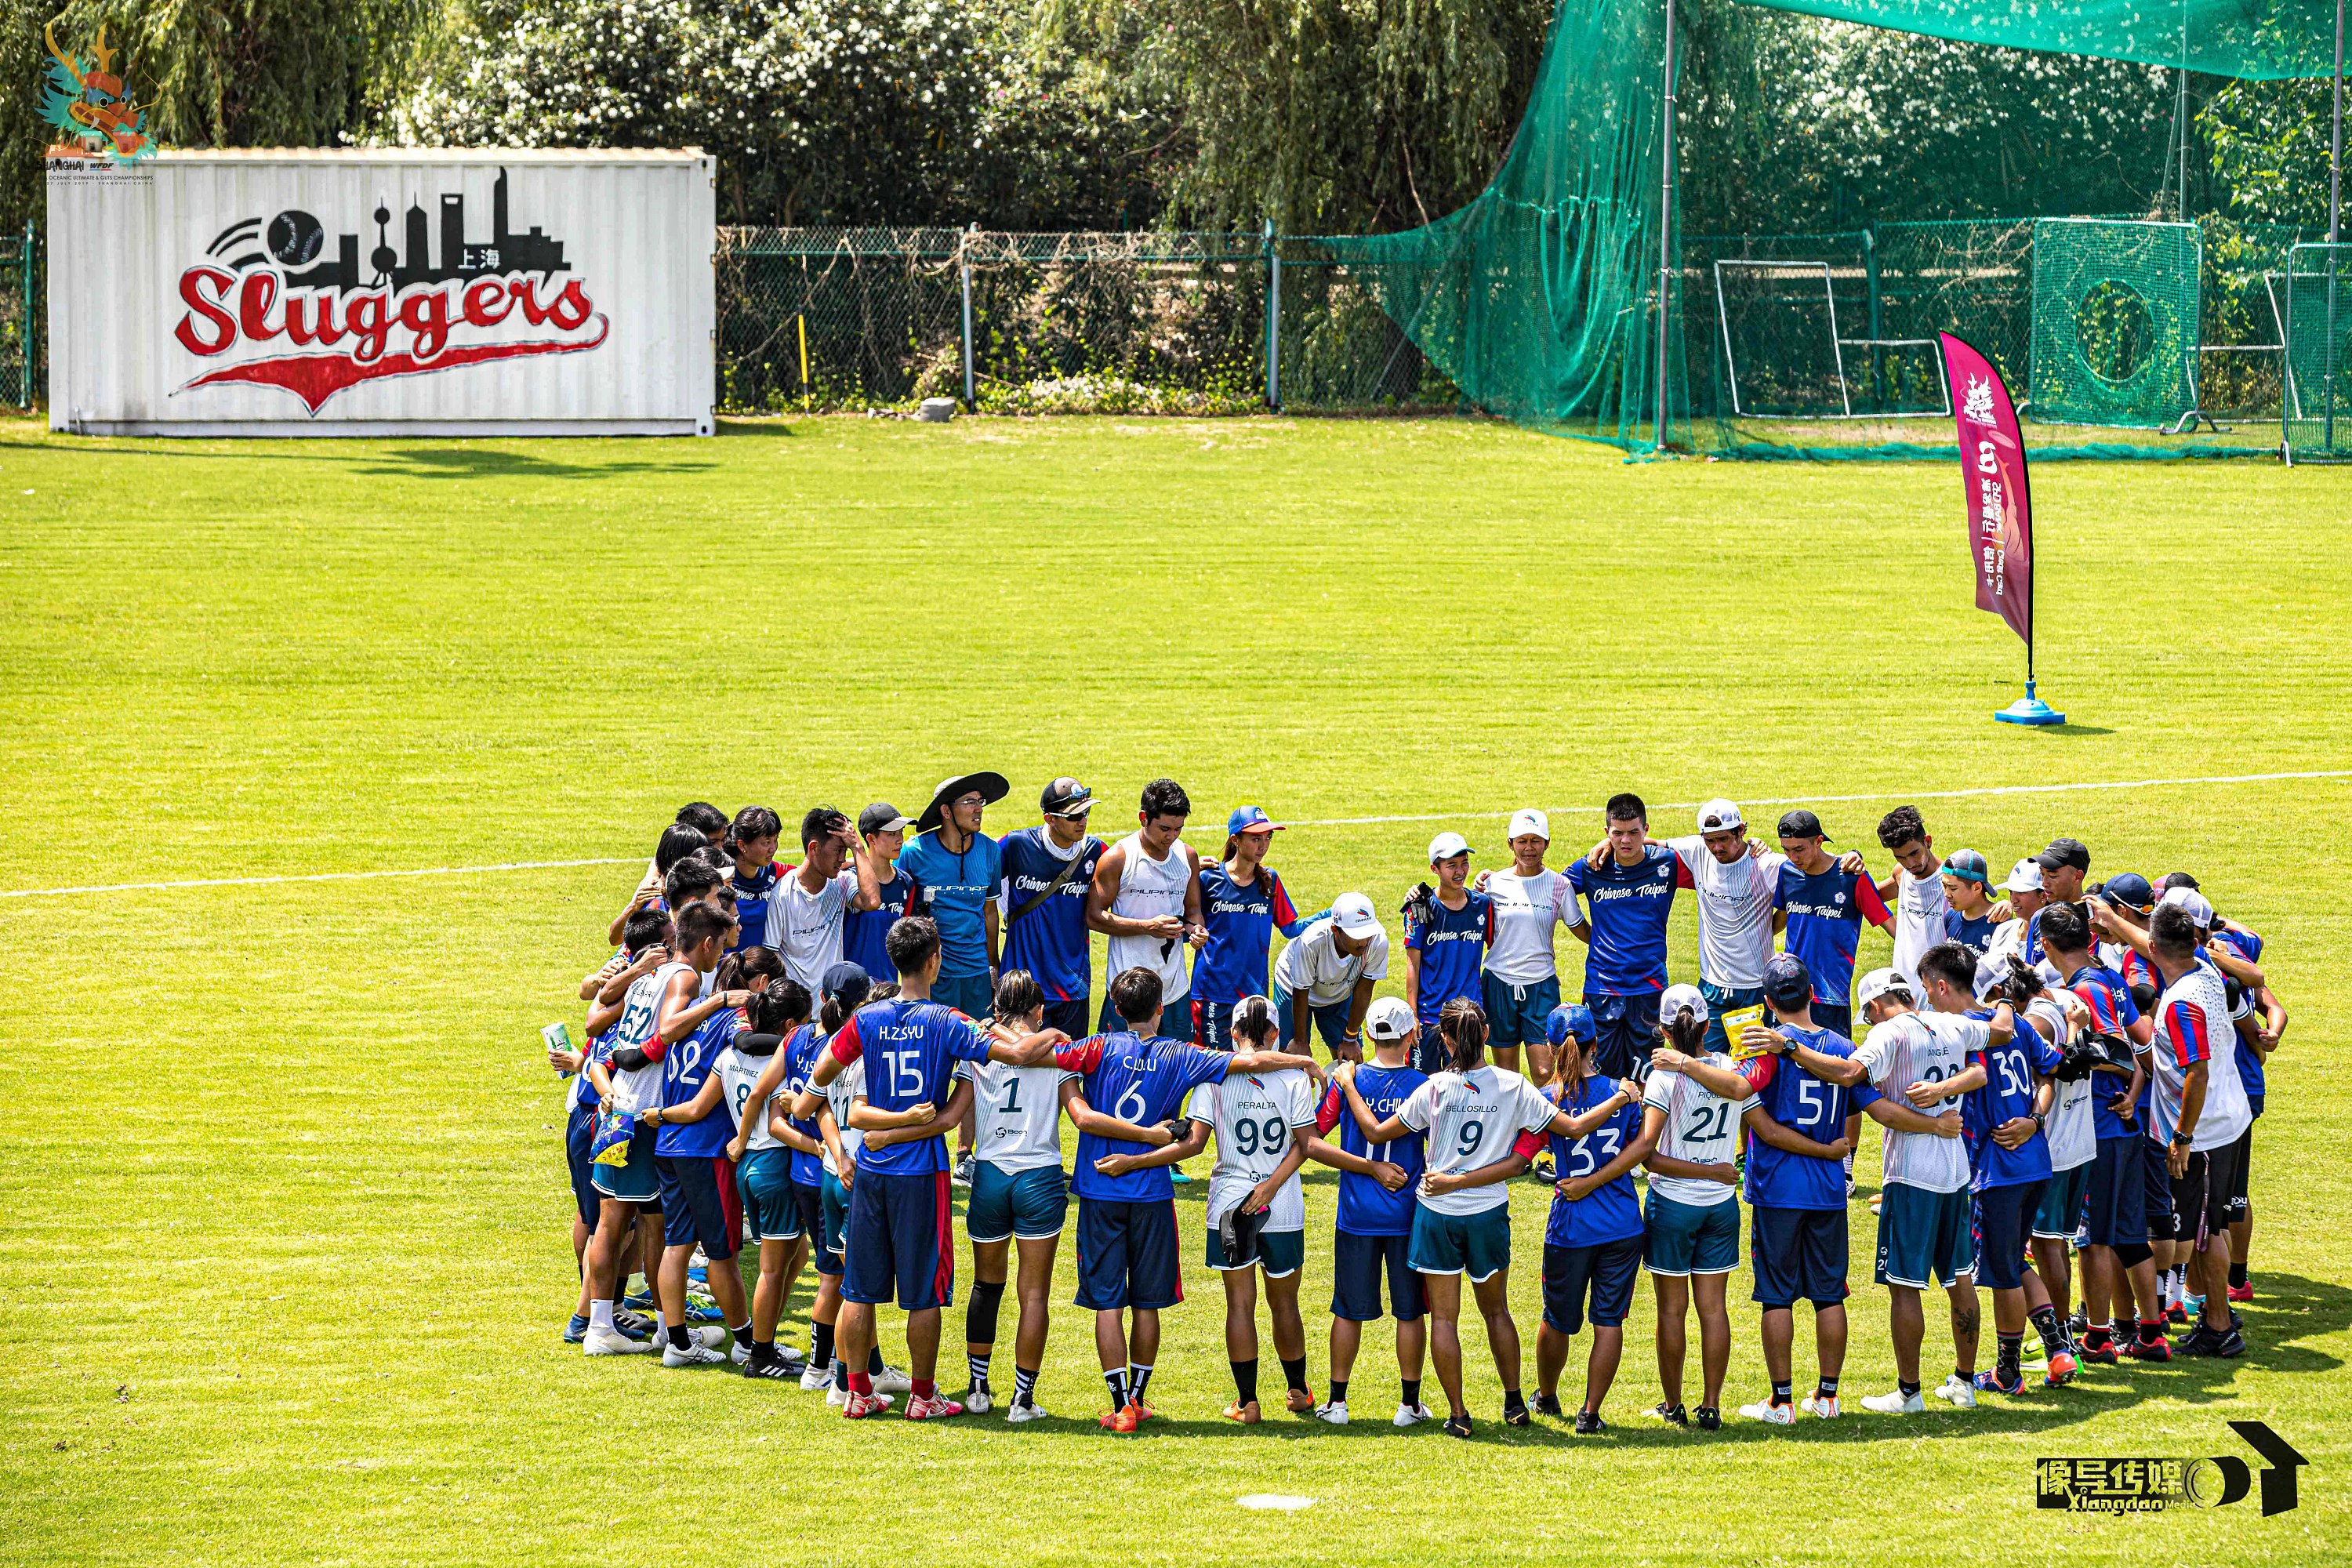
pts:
[963, 247]
[24, 328]
[1273, 321]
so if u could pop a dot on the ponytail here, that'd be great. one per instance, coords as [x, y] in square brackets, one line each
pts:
[1463, 1023]
[1254, 1020]
[748, 969]
[1686, 1032]
[781, 1005]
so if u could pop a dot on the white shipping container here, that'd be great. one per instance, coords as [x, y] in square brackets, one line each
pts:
[423, 291]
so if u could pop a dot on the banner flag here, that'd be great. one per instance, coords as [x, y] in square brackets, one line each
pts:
[1992, 471]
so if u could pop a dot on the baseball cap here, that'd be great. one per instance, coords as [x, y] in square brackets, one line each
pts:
[1802, 823]
[1681, 999]
[1388, 1020]
[882, 817]
[847, 981]
[1881, 982]
[1969, 867]
[2130, 890]
[1719, 816]
[2065, 852]
[1352, 914]
[1570, 1018]
[1787, 981]
[2025, 877]
[1446, 846]
[2201, 910]
[1528, 819]
[1250, 819]
[1067, 798]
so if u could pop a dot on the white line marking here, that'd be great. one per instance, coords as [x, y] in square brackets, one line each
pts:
[1301, 822]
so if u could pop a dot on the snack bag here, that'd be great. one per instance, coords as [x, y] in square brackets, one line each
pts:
[1735, 1022]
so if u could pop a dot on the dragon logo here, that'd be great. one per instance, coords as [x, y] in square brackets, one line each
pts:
[84, 100]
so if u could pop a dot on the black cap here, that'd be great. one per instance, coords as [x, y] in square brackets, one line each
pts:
[1066, 797]
[2064, 852]
[1802, 824]
[882, 817]
[1787, 982]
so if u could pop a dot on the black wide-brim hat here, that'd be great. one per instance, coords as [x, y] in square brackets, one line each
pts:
[992, 787]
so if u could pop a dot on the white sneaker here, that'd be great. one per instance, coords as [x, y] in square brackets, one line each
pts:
[711, 1337]
[609, 1342]
[1333, 1411]
[1825, 1406]
[1963, 1394]
[1770, 1413]
[1896, 1403]
[1017, 1414]
[813, 1377]
[975, 1400]
[737, 1354]
[1410, 1415]
[694, 1354]
[890, 1380]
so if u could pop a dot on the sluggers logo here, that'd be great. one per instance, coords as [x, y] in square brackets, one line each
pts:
[2151, 1485]
[281, 313]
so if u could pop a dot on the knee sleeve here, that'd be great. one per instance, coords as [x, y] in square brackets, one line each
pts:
[980, 1315]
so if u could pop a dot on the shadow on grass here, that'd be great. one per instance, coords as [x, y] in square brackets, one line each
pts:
[410, 462]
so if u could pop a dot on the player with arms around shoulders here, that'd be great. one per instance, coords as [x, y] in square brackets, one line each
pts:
[1047, 872]
[1243, 904]
[1446, 930]
[1520, 979]
[1628, 884]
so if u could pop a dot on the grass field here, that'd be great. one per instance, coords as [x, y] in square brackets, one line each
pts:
[286, 1258]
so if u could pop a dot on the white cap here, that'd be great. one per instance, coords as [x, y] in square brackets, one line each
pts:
[1719, 816]
[2025, 877]
[1446, 846]
[1681, 999]
[1879, 982]
[1352, 914]
[2199, 908]
[1388, 1020]
[1528, 819]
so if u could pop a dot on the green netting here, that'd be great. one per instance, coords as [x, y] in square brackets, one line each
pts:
[2319, 392]
[2260, 39]
[2114, 322]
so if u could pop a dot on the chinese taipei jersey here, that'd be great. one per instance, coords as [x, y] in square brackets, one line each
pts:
[2113, 1012]
[1050, 941]
[2248, 946]
[1825, 915]
[1810, 1107]
[2007, 1094]
[1452, 945]
[1366, 1208]
[910, 1049]
[863, 931]
[1610, 1212]
[1017, 1114]
[686, 1067]
[1921, 1048]
[753, 895]
[1241, 922]
[739, 1071]
[1627, 906]
[1136, 1080]
[1700, 1127]
[1252, 1115]
[800, 1060]
[1472, 1119]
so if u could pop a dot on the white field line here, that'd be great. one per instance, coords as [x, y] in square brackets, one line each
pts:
[1302, 822]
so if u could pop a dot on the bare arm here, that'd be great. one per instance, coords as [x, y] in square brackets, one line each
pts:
[706, 1100]
[1576, 1188]
[1262, 1196]
[867, 1119]
[1024, 1050]
[1890, 1112]
[755, 1104]
[1184, 1148]
[1583, 1121]
[1720, 1082]
[1502, 1170]
[1767, 1129]
[868, 896]
[1326, 1152]
[1086, 1119]
[950, 1115]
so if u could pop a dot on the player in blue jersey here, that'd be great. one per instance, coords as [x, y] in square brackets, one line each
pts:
[1372, 1235]
[1825, 902]
[1243, 904]
[751, 841]
[1628, 886]
[957, 876]
[883, 827]
[1967, 896]
[1047, 871]
[899, 1237]
[1446, 930]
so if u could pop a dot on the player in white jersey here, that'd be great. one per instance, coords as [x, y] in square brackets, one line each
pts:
[1690, 1235]
[1915, 892]
[2201, 1111]
[806, 910]
[763, 1168]
[1519, 978]
[1146, 897]
[1020, 1198]
[1735, 880]
[1256, 1221]
[2073, 1141]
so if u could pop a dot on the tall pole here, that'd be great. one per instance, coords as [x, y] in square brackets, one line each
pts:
[2335, 140]
[1666, 218]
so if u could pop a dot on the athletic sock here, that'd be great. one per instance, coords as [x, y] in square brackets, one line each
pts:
[1908, 1390]
[861, 1382]
[840, 1376]
[821, 1344]
[2238, 1276]
[742, 1334]
[1412, 1392]
[1827, 1388]
[978, 1366]
[678, 1338]
[1783, 1390]
[1024, 1385]
[600, 1315]
[1513, 1400]
[874, 1367]
[1294, 1372]
[1138, 1377]
[923, 1388]
[1246, 1380]
[2005, 1357]
[2053, 1331]
[1116, 1381]
[1338, 1391]
[2150, 1330]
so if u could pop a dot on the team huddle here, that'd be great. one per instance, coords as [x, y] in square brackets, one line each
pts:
[2065, 1075]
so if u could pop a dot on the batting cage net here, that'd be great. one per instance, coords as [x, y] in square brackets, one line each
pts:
[2317, 379]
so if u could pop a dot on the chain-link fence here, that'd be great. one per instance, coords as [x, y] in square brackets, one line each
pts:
[23, 342]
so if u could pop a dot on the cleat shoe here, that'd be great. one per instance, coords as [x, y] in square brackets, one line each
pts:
[1457, 1425]
[698, 1311]
[1588, 1422]
[1543, 1171]
[1771, 1412]
[576, 1330]
[1334, 1412]
[859, 1406]
[1710, 1419]
[1179, 1173]
[2061, 1372]
[1299, 1401]
[693, 1353]
[1142, 1412]
[1961, 1392]
[606, 1341]
[642, 1301]
[1410, 1415]
[1673, 1415]
[2149, 1349]
[1896, 1403]
[637, 1325]
[813, 1378]
[2243, 1292]
[2078, 1325]
[1824, 1405]
[1548, 1405]
[1244, 1415]
[739, 1353]
[2177, 1315]
[891, 1380]
[1990, 1382]
[935, 1408]
[1016, 1414]
[1127, 1420]
[1516, 1415]
[962, 1177]
[774, 1368]
[2098, 1355]
[2206, 1342]
[977, 1399]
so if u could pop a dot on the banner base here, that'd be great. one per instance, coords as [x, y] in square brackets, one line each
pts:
[2030, 710]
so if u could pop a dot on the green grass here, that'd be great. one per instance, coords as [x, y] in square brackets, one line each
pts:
[285, 1252]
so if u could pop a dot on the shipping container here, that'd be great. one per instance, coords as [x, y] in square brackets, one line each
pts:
[374, 291]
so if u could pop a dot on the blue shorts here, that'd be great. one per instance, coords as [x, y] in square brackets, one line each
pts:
[699, 1204]
[1924, 1236]
[637, 1181]
[970, 994]
[2004, 1217]
[2061, 1213]
[1212, 1025]
[1357, 1264]
[1517, 1014]
[1680, 1238]
[579, 1133]
[1797, 1253]
[1722, 999]
[1029, 1205]
[770, 1195]
[1602, 1274]
[899, 1241]
[1281, 1253]
[2117, 1202]
[2156, 1191]
[1478, 1244]
[1629, 1033]
[1330, 1022]
[831, 1223]
[1127, 1255]
[1070, 1016]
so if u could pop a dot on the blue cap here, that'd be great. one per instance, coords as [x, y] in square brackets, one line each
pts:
[1250, 819]
[847, 981]
[1787, 981]
[1571, 1018]
[2130, 890]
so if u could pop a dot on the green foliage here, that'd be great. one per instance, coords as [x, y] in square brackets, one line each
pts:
[2271, 146]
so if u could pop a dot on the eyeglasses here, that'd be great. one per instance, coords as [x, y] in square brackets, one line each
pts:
[961, 801]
